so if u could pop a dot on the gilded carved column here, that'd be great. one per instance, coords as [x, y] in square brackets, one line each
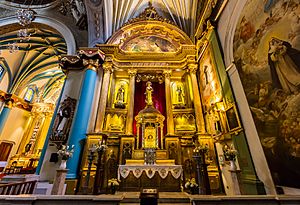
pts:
[107, 67]
[170, 120]
[130, 109]
[192, 68]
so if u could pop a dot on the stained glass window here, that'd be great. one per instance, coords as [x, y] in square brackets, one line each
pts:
[2, 71]
[29, 95]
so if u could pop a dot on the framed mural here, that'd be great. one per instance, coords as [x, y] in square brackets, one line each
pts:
[232, 119]
[267, 56]
[208, 77]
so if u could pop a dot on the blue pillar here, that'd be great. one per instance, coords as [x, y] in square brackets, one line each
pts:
[3, 117]
[81, 119]
[41, 160]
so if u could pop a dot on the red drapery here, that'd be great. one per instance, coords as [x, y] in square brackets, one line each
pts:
[159, 101]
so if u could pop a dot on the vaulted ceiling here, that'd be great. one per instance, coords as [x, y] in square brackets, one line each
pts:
[33, 61]
[107, 16]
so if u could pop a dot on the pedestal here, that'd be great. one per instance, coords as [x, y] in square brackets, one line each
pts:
[202, 175]
[59, 182]
[235, 181]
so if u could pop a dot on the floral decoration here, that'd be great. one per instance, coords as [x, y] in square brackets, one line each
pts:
[191, 183]
[113, 182]
[65, 152]
[229, 152]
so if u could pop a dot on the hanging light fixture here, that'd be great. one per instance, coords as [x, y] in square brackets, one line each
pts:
[13, 47]
[25, 16]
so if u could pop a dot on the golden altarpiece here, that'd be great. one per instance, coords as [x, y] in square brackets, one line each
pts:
[150, 99]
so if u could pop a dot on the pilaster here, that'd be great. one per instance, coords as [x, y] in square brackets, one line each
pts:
[108, 69]
[192, 69]
[130, 109]
[170, 119]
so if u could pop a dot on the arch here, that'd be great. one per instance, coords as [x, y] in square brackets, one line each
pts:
[149, 32]
[57, 25]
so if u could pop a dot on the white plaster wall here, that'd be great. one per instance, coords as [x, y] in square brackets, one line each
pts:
[226, 28]
[14, 128]
[72, 89]
[4, 82]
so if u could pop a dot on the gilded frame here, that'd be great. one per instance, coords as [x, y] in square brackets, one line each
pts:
[232, 119]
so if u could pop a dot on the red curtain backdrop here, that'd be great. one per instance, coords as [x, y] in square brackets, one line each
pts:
[159, 101]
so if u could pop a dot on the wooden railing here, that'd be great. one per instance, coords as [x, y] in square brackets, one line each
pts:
[18, 188]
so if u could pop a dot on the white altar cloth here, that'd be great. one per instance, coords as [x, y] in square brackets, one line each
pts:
[150, 170]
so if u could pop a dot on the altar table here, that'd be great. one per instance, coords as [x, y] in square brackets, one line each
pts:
[162, 177]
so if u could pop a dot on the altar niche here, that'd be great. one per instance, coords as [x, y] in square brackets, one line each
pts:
[149, 125]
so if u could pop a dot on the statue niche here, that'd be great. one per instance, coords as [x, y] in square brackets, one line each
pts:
[150, 121]
[120, 97]
[178, 96]
[63, 120]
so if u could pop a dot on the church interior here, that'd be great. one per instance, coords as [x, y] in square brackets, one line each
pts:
[108, 97]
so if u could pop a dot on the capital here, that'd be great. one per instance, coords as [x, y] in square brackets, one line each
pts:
[91, 64]
[107, 67]
[192, 67]
[9, 104]
[132, 72]
[167, 73]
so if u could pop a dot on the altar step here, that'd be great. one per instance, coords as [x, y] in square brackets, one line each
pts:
[165, 198]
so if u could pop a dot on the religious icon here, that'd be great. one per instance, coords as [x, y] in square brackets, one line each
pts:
[120, 97]
[148, 94]
[63, 120]
[180, 95]
[120, 94]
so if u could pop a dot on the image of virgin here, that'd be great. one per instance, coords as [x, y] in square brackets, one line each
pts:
[284, 62]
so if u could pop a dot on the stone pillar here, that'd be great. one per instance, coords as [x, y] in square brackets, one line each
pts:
[107, 67]
[170, 119]
[59, 182]
[81, 118]
[130, 109]
[192, 68]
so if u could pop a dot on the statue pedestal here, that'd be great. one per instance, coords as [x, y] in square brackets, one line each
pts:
[59, 182]
[235, 181]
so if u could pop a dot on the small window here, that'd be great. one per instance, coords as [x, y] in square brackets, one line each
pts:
[2, 71]
[29, 95]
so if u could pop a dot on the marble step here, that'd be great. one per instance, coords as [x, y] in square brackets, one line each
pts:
[164, 198]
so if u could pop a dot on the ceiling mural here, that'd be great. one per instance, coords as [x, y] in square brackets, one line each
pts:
[149, 44]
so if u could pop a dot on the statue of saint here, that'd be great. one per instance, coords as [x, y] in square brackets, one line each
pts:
[120, 94]
[148, 94]
[180, 95]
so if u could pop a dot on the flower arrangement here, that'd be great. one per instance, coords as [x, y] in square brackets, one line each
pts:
[65, 152]
[191, 183]
[229, 152]
[113, 182]
[102, 147]
[201, 148]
